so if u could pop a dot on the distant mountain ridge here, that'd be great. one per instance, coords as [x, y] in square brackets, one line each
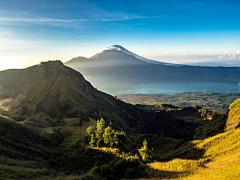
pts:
[118, 67]
[117, 52]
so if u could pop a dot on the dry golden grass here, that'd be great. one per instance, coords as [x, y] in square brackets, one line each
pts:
[221, 160]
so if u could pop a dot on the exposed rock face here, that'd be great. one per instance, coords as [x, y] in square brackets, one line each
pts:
[41, 69]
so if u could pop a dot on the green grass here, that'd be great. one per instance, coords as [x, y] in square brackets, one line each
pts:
[59, 92]
[23, 151]
[219, 159]
[52, 141]
[17, 172]
[233, 120]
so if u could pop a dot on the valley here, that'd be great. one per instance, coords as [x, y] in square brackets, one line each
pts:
[219, 101]
[47, 109]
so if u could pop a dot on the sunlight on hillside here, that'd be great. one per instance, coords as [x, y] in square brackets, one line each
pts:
[221, 160]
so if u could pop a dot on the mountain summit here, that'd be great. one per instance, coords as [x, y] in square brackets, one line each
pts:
[122, 49]
[114, 55]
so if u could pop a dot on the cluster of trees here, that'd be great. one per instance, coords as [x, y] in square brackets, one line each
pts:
[104, 135]
[107, 136]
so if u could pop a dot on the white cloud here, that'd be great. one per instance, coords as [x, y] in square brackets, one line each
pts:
[165, 53]
[9, 103]
[184, 54]
[39, 20]
[228, 55]
[105, 17]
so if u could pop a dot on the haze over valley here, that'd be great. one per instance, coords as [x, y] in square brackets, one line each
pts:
[116, 70]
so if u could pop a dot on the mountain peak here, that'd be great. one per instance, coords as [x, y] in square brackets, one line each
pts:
[113, 47]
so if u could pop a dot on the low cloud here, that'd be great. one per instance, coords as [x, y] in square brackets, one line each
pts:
[228, 55]
[226, 58]
[8, 104]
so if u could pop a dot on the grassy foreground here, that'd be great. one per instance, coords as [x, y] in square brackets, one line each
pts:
[23, 151]
[217, 157]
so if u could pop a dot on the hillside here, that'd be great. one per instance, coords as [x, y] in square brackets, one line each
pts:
[59, 91]
[52, 90]
[216, 157]
[49, 109]
[24, 152]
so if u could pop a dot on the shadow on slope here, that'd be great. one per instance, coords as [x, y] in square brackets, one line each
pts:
[24, 153]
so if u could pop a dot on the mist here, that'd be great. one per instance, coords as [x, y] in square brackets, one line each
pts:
[8, 104]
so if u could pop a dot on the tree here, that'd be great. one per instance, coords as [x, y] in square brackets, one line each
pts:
[120, 137]
[145, 153]
[92, 141]
[90, 131]
[110, 137]
[100, 130]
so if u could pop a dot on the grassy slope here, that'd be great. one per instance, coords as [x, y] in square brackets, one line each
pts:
[47, 87]
[233, 120]
[23, 151]
[217, 157]
[60, 92]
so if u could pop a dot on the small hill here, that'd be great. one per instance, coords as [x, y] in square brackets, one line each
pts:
[49, 87]
[76, 61]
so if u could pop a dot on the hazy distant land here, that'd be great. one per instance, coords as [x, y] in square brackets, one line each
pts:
[206, 99]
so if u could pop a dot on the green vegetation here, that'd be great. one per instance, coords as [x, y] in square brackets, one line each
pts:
[206, 99]
[233, 120]
[110, 137]
[145, 152]
[100, 130]
[52, 141]
[23, 151]
[58, 92]
[213, 158]
[104, 134]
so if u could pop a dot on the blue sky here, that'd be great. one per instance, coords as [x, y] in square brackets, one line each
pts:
[168, 30]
